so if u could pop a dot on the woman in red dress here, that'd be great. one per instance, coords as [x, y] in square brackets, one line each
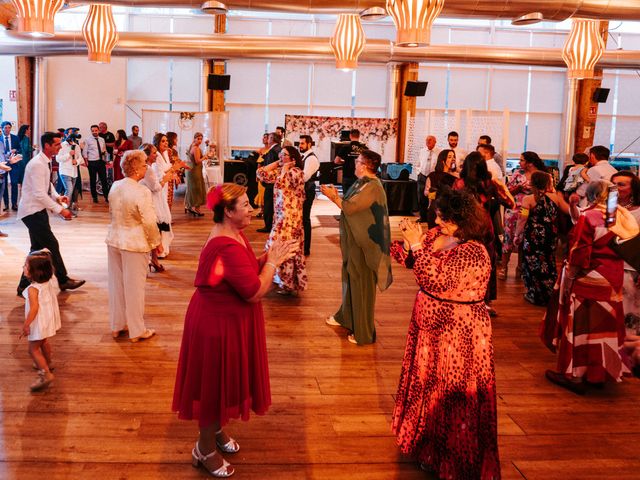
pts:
[122, 145]
[222, 369]
[445, 414]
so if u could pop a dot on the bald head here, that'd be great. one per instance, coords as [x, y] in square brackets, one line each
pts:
[431, 142]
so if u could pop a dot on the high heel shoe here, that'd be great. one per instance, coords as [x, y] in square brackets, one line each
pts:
[230, 447]
[197, 460]
[157, 267]
[193, 212]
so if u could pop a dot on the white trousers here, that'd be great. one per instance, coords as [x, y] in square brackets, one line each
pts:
[127, 278]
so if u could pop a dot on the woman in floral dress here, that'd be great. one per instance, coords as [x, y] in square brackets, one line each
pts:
[445, 414]
[538, 230]
[288, 179]
[519, 186]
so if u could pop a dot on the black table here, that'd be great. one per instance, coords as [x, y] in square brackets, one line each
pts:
[402, 196]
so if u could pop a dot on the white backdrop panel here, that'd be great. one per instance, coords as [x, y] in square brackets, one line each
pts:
[547, 91]
[435, 97]
[371, 85]
[289, 83]
[508, 89]
[246, 125]
[148, 79]
[248, 82]
[331, 86]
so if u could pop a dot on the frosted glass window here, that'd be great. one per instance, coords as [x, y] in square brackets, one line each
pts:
[508, 90]
[140, 23]
[186, 84]
[371, 85]
[549, 40]
[148, 79]
[364, 112]
[276, 114]
[289, 83]
[324, 29]
[603, 131]
[628, 98]
[516, 134]
[608, 81]
[246, 125]
[544, 133]
[547, 91]
[195, 25]
[437, 88]
[469, 37]
[240, 26]
[291, 28]
[467, 88]
[331, 86]
[439, 35]
[331, 111]
[248, 82]
[511, 38]
[379, 31]
[627, 133]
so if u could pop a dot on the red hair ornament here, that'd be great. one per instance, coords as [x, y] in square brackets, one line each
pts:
[214, 197]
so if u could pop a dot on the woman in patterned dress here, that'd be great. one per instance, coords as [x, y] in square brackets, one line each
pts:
[445, 413]
[584, 321]
[519, 186]
[538, 230]
[288, 179]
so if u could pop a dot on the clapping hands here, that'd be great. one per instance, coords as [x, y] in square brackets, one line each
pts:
[411, 231]
[282, 250]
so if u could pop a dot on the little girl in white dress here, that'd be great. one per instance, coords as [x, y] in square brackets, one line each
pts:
[42, 314]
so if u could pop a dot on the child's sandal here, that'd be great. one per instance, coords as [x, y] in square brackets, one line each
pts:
[41, 383]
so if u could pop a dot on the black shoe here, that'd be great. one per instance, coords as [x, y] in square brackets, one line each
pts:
[95, 200]
[14, 208]
[307, 253]
[562, 381]
[72, 284]
[264, 230]
[19, 291]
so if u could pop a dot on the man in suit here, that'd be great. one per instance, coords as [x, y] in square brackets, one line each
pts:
[11, 144]
[268, 158]
[94, 152]
[6, 160]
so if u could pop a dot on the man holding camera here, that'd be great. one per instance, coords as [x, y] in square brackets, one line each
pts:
[69, 160]
[38, 196]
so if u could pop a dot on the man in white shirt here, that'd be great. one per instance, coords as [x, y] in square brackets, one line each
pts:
[600, 168]
[311, 165]
[488, 153]
[38, 196]
[94, 152]
[453, 139]
[486, 140]
[427, 163]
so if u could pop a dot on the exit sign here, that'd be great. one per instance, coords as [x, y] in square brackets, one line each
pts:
[12, 96]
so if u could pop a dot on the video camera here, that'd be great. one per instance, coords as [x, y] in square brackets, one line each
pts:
[72, 135]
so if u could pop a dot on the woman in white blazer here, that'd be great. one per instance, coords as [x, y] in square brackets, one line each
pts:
[133, 233]
[161, 166]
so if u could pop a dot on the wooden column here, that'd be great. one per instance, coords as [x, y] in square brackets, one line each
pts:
[586, 108]
[218, 67]
[24, 90]
[405, 106]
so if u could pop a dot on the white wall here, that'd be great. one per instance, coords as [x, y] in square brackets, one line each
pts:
[80, 93]
[8, 82]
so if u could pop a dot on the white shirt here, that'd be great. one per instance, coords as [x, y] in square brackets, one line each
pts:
[311, 164]
[90, 150]
[133, 226]
[601, 171]
[427, 160]
[37, 191]
[65, 160]
[494, 169]
[461, 154]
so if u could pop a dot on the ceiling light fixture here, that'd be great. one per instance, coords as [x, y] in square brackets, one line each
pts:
[214, 8]
[413, 20]
[528, 19]
[99, 31]
[35, 17]
[583, 48]
[347, 41]
[373, 13]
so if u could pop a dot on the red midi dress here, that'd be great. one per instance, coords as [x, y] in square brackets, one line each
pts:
[222, 370]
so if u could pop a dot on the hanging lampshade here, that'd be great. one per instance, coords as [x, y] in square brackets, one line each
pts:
[583, 48]
[36, 16]
[99, 31]
[413, 20]
[347, 41]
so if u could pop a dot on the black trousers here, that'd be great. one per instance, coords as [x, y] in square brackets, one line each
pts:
[41, 237]
[268, 205]
[98, 168]
[310, 196]
[423, 200]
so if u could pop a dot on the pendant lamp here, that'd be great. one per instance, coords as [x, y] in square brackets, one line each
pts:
[35, 17]
[413, 20]
[99, 31]
[583, 48]
[347, 41]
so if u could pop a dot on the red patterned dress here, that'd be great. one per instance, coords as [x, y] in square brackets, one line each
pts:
[445, 414]
[288, 197]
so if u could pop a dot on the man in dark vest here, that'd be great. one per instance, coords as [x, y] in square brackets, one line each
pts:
[310, 167]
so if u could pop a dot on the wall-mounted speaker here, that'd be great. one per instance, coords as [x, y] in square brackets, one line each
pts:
[415, 89]
[600, 95]
[218, 82]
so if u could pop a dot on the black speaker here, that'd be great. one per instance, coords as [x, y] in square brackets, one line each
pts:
[218, 82]
[600, 95]
[415, 89]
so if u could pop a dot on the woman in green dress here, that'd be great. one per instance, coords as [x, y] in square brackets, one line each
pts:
[364, 241]
[195, 196]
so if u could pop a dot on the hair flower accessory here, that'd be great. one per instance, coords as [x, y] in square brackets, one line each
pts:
[214, 197]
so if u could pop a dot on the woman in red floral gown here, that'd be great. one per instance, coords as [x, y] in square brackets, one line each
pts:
[222, 369]
[445, 414]
[288, 192]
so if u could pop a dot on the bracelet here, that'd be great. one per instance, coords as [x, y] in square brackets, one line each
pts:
[272, 264]
[419, 245]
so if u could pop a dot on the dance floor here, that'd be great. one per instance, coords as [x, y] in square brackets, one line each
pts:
[107, 415]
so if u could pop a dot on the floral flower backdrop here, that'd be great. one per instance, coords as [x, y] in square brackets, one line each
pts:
[379, 134]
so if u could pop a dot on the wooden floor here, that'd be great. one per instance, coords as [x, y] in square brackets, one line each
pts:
[107, 416]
